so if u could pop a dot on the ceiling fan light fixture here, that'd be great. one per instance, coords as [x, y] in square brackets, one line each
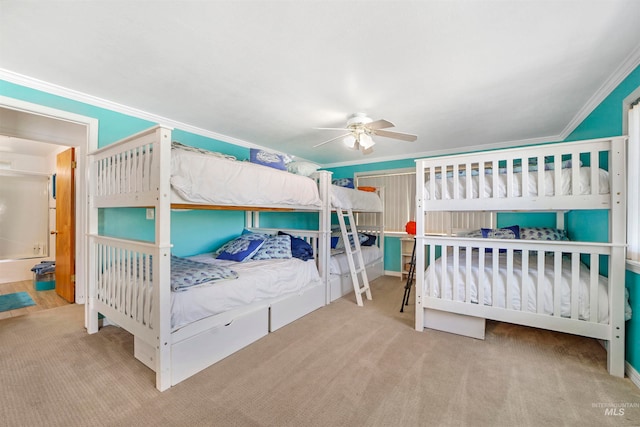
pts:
[360, 129]
[366, 141]
[349, 141]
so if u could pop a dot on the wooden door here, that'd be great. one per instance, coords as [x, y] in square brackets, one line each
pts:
[65, 225]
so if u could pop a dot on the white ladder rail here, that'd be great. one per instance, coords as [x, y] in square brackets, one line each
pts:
[348, 230]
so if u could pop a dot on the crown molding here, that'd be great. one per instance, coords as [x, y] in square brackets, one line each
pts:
[622, 72]
[74, 95]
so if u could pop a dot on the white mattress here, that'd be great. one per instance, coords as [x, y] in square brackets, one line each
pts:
[584, 185]
[339, 264]
[349, 198]
[565, 308]
[258, 280]
[208, 179]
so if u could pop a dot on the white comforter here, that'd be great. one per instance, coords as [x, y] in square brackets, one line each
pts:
[584, 185]
[257, 280]
[487, 277]
[349, 198]
[208, 179]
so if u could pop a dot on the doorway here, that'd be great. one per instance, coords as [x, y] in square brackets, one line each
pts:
[20, 119]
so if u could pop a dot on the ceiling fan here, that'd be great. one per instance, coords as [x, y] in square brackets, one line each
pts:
[360, 130]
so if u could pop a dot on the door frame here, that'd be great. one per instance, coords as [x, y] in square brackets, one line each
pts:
[81, 180]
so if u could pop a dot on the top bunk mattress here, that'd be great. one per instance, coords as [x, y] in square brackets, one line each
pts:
[357, 200]
[201, 177]
[584, 185]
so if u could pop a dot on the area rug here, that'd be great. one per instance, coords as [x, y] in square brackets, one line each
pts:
[15, 301]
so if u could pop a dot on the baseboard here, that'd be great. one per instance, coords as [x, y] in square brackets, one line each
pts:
[392, 273]
[633, 375]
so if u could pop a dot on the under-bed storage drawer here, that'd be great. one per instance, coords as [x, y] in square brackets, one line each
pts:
[196, 353]
[286, 310]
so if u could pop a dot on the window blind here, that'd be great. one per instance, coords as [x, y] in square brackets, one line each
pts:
[399, 196]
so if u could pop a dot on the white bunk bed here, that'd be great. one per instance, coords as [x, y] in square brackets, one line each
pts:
[544, 284]
[142, 171]
[369, 205]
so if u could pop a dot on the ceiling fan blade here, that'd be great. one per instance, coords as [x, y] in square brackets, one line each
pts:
[368, 150]
[396, 135]
[380, 124]
[332, 139]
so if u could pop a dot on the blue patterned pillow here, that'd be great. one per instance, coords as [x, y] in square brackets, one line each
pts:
[338, 243]
[509, 233]
[542, 233]
[275, 247]
[512, 232]
[344, 182]
[241, 248]
[265, 158]
[186, 273]
[476, 234]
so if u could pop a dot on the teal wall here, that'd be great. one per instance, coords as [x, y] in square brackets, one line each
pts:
[632, 353]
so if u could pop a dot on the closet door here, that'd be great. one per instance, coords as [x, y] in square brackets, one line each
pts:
[65, 225]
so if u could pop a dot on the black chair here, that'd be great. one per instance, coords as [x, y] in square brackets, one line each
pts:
[412, 270]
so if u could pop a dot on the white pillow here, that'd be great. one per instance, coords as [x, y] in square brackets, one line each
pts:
[302, 168]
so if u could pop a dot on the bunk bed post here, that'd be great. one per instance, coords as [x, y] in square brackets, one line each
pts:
[251, 219]
[324, 227]
[91, 314]
[162, 269]
[419, 246]
[617, 236]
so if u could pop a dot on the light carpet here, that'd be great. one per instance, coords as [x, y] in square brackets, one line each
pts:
[341, 365]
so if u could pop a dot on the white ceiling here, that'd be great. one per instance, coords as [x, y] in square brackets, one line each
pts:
[458, 74]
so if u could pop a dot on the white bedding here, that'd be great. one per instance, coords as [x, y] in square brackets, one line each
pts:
[349, 198]
[565, 308]
[208, 179]
[257, 280]
[584, 185]
[339, 264]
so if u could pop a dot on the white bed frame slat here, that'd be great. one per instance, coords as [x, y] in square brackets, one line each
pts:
[481, 284]
[575, 280]
[509, 290]
[557, 277]
[526, 280]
